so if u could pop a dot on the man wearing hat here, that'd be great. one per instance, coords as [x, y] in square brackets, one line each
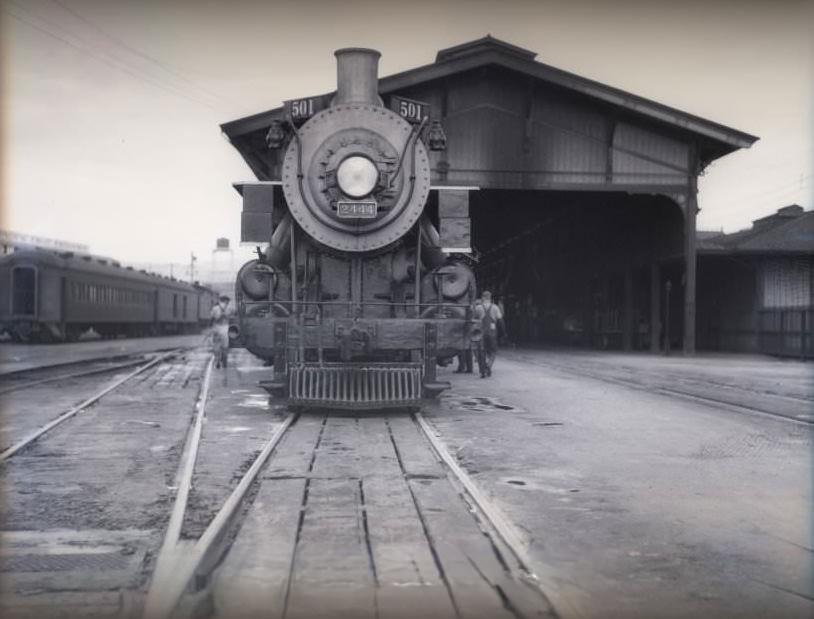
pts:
[487, 317]
[219, 320]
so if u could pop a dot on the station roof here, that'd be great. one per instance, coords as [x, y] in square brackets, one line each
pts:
[719, 139]
[789, 230]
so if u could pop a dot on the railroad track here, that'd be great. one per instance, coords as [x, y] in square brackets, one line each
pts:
[34, 435]
[488, 565]
[720, 402]
[17, 381]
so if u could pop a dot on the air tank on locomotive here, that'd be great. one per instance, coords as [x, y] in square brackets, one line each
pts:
[354, 299]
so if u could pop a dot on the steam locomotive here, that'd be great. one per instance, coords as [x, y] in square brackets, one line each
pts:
[354, 300]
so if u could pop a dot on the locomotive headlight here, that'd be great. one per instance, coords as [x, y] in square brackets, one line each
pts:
[357, 176]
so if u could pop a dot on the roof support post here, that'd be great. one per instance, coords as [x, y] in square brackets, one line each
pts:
[628, 309]
[655, 306]
[690, 256]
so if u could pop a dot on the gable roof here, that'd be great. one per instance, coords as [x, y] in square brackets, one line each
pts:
[789, 230]
[490, 51]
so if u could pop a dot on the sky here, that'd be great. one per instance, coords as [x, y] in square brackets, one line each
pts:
[110, 109]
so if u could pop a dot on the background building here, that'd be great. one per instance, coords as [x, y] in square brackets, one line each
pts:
[756, 286]
[12, 241]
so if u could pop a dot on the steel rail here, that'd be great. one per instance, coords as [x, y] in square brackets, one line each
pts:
[505, 529]
[53, 379]
[184, 478]
[716, 403]
[100, 357]
[178, 563]
[7, 453]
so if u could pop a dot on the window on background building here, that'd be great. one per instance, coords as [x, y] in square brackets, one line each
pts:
[175, 306]
[786, 283]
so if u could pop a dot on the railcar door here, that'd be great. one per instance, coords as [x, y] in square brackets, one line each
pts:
[24, 292]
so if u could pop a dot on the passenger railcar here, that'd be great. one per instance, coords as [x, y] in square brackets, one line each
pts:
[56, 296]
[355, 300]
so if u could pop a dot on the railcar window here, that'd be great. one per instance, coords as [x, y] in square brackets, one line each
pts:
[175, 306]
[24, 290]
[185, 306]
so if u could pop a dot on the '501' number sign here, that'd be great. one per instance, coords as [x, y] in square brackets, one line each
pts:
[302, 109]
[409, 109]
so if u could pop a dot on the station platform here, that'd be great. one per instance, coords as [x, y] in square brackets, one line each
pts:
[24, 357]
[647, 486]
[773, 385]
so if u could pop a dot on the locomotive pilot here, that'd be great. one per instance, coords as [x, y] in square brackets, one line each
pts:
[219, 321]
[488, 317]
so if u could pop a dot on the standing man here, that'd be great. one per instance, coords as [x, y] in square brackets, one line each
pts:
[219, 321]
[487, 316]
[465, 358]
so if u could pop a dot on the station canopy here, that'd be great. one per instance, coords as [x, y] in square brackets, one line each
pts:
[486, 86]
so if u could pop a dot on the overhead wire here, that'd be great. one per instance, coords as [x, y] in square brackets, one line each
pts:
[775, 192]
[168, 69]
[112, 61]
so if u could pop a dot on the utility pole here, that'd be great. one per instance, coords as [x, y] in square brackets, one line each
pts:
[192, 260]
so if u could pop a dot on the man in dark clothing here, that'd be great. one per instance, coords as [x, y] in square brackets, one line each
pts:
[488, 317]
[464, 362]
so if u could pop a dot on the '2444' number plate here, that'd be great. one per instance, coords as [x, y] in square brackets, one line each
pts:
[353, 210]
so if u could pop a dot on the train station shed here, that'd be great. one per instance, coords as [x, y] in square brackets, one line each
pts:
[584, 218]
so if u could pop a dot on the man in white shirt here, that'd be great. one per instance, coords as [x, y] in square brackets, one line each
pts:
[219, 321]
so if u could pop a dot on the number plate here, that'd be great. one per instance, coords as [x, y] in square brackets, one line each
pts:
[409, 109]
[302, 109]
[356, 210]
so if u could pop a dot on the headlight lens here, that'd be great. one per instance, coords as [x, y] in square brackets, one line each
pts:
[357, 176]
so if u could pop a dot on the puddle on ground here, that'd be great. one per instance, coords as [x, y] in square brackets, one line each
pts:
[255, 401]
[482, 404]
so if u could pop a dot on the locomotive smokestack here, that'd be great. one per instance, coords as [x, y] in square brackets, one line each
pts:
[357, 76]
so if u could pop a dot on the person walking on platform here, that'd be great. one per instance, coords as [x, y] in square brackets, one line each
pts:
[219, 322]
[465, 358]
[487, 317]
[464, 362]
